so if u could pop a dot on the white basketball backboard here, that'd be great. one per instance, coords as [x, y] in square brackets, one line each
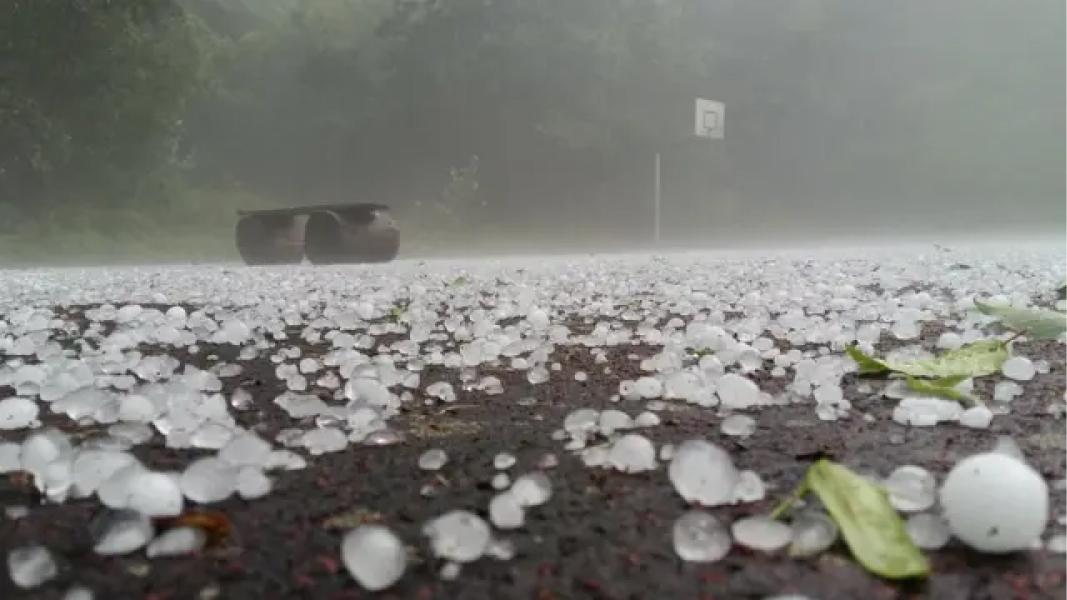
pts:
[710, 119]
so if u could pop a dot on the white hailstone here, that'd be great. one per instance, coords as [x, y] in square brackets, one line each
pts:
[78, 592]
[738, 425]
[374, 556]
[949, 341]
[506, 512]
[383, 437]
[700, 537]
[581, 376]
[368, 390]
[491, 385]
[296, 383]
[211, 435]
[536, 375]
[761, 533]
[976, 417]
[548, 461]
[632, 453]
[750, 487]
[911, 488]
[450, 570]
[10, 457]
[323, 440]
[628, 390]
[17, 413]
[500, 549]
[208, 480]
[813, 533]
[656, 405]
[1042, 366]
[500, 481]
[252, 483]
[137, 408]
[1006, 391]
[245, 449]
[178, 541]
[154, 494]
[503, 461]
[928, 531]
[442, 390]
[666, 452]
[581, 421]
[681, 385]
[537, 318]
[458, 535]
[309, 365]
[284, 460]
[995, 503]
[1018, 368]
[648, 388]
[596, 456]
[647, 419]
[703, 472]
[30, 566]
[612, 420]
[905, 330]
[1007, 446]
[737, 392]
[922, 411]
[120, 532]
[42, 448]
[532, 489]
[91, 468]
[433, 459]
[828, 394]
[114, 492]
[329, 380]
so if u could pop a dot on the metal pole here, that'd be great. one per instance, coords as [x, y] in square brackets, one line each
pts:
[655, 203]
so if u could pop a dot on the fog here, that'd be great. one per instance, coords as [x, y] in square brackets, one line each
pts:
[533, 124]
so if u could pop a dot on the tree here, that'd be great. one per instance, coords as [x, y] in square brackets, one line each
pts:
[92, 96]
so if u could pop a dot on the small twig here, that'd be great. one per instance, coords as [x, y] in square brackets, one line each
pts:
[790, 500]
[455, 407]
[1018, 334]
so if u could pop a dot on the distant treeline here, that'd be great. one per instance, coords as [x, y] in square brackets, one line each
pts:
[128, 114]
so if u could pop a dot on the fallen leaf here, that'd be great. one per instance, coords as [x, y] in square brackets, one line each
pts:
[978, 359]
[871, 526]
[1036, 323]
[215, 524]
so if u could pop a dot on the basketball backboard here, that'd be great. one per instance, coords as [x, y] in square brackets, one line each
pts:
[710, 119]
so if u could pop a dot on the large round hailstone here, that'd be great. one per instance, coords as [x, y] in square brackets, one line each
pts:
[995, 503]
[459, 536]
[703, 472]
[374, 556]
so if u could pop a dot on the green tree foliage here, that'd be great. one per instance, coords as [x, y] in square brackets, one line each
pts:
[92, 97]
[118, 110]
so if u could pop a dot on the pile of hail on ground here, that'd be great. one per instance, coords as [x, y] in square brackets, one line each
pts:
[112, 350]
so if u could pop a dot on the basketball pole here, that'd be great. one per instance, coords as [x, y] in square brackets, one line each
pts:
[656, 203]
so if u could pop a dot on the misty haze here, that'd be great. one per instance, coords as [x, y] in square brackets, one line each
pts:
[490, 299]
[135, 129]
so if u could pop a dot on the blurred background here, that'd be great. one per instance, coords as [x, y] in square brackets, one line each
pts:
[133, 129]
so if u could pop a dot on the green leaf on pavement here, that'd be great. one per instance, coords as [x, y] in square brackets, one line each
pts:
[1037, 323]
[943, 388]
[981, 358]
[871, 527]
[868, 365]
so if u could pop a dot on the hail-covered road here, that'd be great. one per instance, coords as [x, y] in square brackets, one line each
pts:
[614, 426]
